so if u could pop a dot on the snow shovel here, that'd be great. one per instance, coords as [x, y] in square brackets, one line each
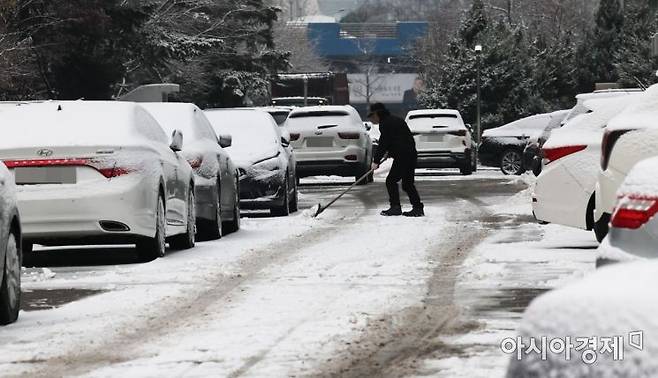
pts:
[319, 209]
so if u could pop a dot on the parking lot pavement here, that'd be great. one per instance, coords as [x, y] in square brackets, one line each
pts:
[349, 293]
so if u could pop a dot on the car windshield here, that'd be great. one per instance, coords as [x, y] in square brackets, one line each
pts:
[253, 132]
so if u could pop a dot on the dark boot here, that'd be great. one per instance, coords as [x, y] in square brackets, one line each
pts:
[417, 211]
[392, 212]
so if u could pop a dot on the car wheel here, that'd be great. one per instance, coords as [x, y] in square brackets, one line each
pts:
[601, 227]
[511, 163]
[186, 240]
[284, 209]
[212, 230]
[361, 172]
[10, 288]
[234, 224]
[152, 248]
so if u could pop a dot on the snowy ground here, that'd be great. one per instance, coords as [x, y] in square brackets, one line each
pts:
[350, 293]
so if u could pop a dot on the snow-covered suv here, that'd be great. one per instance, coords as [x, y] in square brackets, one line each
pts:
[329, 140]
[442, 140]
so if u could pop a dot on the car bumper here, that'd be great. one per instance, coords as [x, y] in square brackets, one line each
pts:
[606, 192]
[442, 159]
[262, 191]
[72, 214]
[558, 199]
[345, 162]
[205, 195]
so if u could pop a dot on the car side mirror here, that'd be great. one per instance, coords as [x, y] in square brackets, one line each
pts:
[368, 125]
[225, 141]
[469, 127]
[285, 142]
[176, 141]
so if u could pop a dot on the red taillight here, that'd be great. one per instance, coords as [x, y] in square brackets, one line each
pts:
[351, 157]
[195, 163]
[461, 133]
[553, 154]
[634, 212]
[610, 138]
[106, 168]
[294, 136]
[349, 135]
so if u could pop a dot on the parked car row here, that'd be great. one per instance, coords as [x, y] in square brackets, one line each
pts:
[148, 174]
[614, 303]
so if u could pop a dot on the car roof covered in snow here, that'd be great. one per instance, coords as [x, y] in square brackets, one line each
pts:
[529, 126]
[639, 115]
[586, 129]
[79, 123]
[185, 117]
[613, 301]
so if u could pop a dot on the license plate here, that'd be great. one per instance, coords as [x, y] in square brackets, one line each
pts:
[435, 138]
[45, 175]
[320, 142]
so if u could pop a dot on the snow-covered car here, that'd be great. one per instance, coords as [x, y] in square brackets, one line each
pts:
[215, 176]
[634, 226]
[503, 146]
[10, 249]
[442, 140]
[564, 191]
[266, 166]
[99, 172]
[630, 138]
[602, 326]
[330, 140]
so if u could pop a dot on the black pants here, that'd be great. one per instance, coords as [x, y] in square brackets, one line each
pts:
[402, 169]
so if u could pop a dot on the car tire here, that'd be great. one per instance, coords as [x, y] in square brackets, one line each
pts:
[10, 288]
[212, 229]
[511, 162]
[234, 224]
[294, 201]
[466, 168]
[284, 209]
[187, 239]
[601, 227]
[151, 248]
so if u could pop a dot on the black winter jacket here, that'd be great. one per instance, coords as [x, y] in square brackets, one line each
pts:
[396, 139]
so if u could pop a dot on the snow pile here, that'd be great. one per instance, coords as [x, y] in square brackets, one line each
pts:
[614, 301]
[587, 129]
[254, 133]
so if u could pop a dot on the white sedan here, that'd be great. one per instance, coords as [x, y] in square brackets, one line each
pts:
[99, 173]
[564, 191]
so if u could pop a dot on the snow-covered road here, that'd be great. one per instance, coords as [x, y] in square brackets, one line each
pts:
[350, 293]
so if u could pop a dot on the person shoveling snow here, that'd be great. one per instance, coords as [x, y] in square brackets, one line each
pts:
[397, 142]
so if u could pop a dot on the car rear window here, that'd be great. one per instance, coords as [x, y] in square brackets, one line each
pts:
[332, 113]
[432, 116]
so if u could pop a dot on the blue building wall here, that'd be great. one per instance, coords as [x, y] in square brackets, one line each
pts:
[329, 43]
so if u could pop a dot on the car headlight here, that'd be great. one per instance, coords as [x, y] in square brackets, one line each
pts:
[268, 164]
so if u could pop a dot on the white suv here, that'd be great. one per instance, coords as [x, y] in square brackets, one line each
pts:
[630, 138]
[329, 140]
[442, 140]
